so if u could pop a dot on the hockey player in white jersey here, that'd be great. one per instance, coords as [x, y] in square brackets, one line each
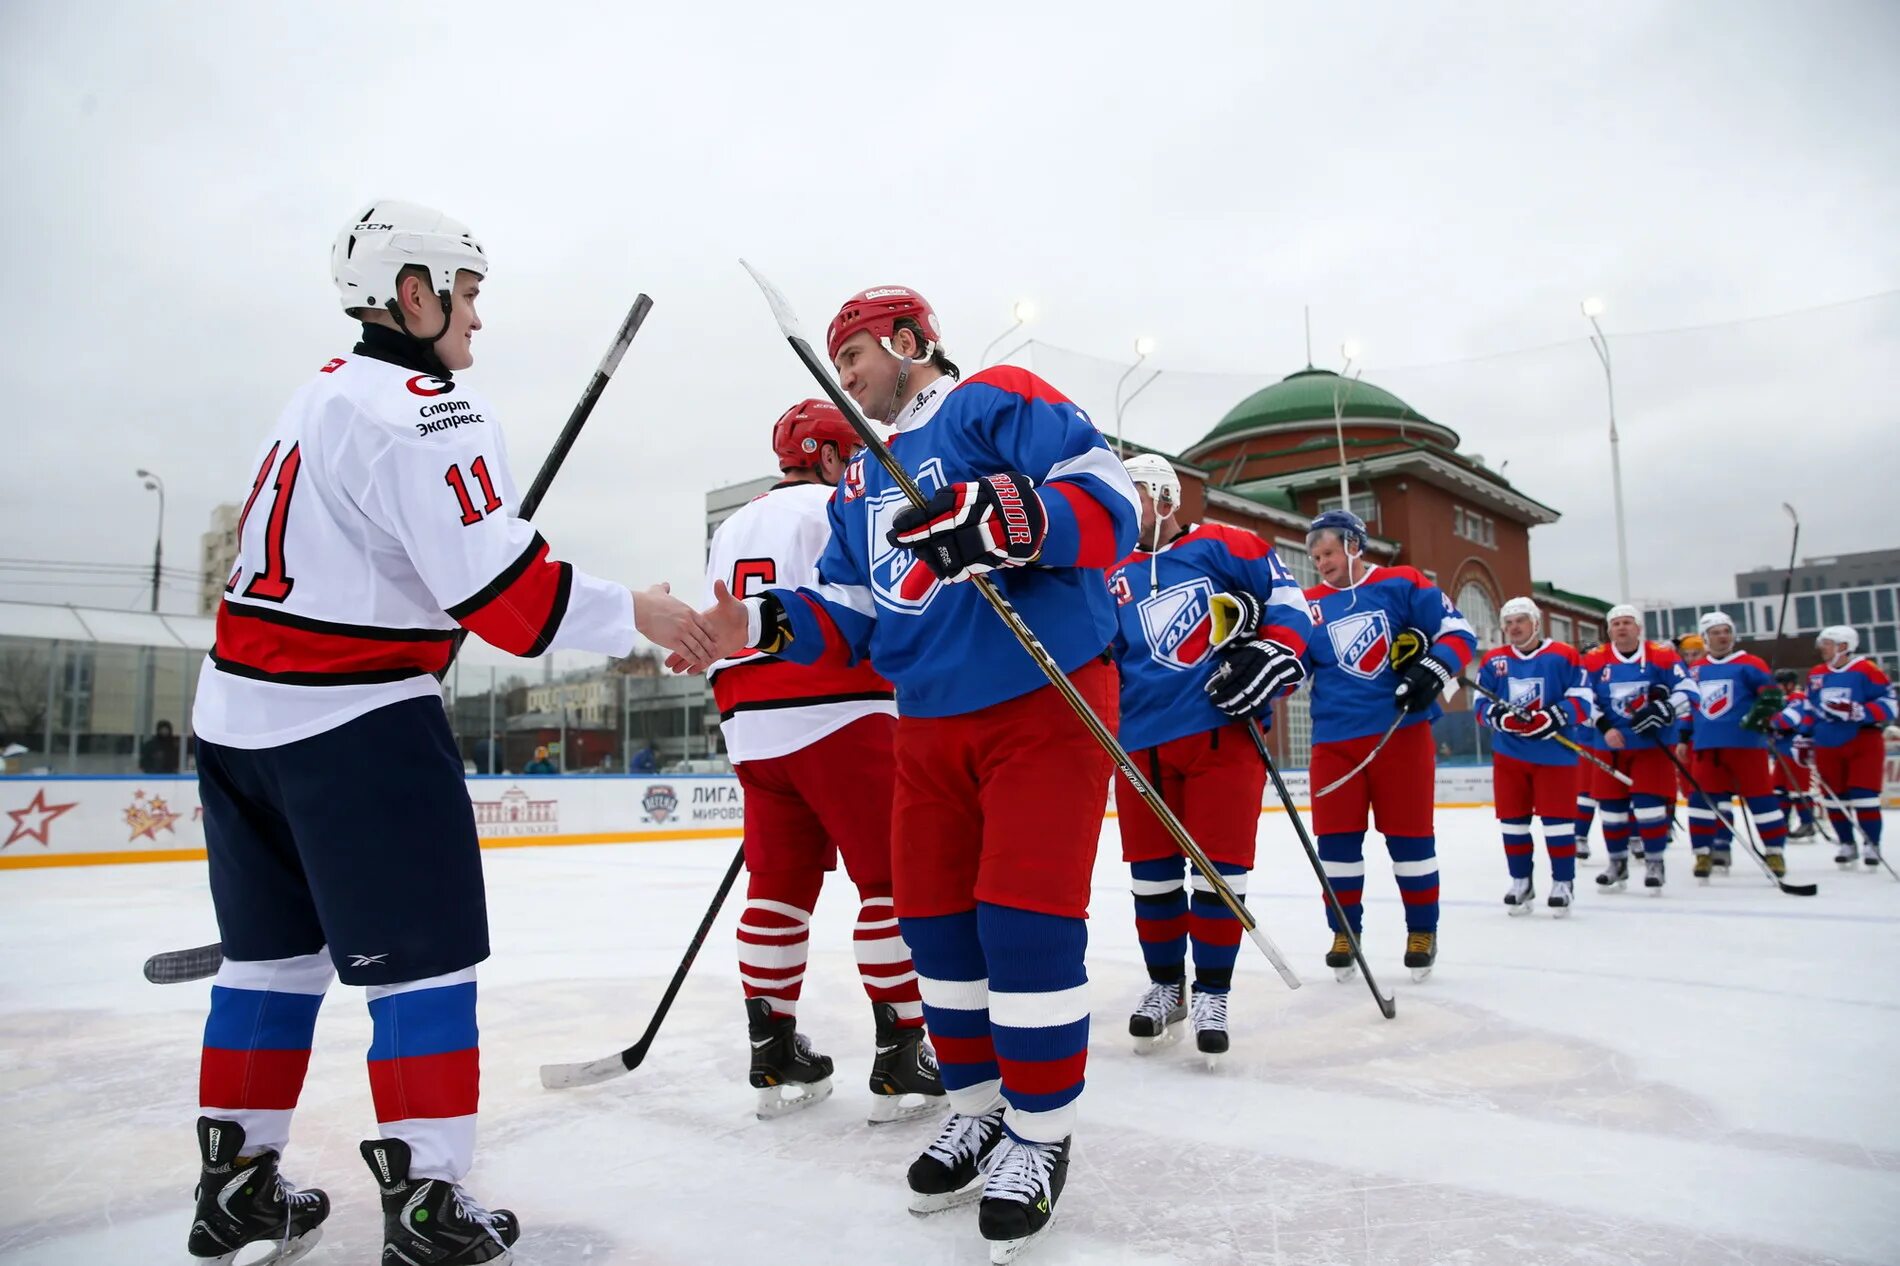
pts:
[340, 834]
[811, 744]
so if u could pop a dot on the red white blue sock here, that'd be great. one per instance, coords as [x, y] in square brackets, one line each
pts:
[1161, 916]
[1214, 930]
[1518, 848]
[257, 1044]
[1560, 841]
[425, 1070]
[954, 978]
[1343, 854]
[1039, 1016]
[1415, 865]
[1652, 822]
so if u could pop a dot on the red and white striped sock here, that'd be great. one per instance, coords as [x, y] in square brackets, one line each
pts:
[884, 959]
[774, 934]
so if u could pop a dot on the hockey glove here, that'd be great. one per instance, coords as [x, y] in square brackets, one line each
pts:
[971, 528]
[1236, 617]
[1420, 684]
[1804, 749]
[1531, 723]
[1656, 714]
[1250, 674]
[767, 628]
[1844, 710]
[1761, 716]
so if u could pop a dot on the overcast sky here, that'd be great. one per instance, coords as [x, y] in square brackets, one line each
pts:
[1438, 182]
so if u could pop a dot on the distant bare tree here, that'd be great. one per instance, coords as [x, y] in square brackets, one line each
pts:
[23, 691]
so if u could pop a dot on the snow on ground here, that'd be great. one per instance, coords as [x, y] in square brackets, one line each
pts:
[1704, 1077]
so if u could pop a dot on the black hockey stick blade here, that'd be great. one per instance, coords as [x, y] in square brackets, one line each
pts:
[175, 967]
[593, 1072]
[1746, 834]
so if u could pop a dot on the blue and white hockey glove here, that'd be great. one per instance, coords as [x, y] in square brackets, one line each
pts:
[970, 528]
[1250, 675]
[1236, 617]
[1656, 713]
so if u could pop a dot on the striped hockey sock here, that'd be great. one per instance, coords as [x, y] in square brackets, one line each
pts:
[257, 1044]
[954, 979]
[1343, 855]
[1616, 826]
[1161, 916]
[1517, 845]
[1652, 822]
[884, 963]
[1039, 1016]
[1770, 822]
[425, 1070]
[1215, 931]
[1415, 863]
[1560, 842]
[774, 936]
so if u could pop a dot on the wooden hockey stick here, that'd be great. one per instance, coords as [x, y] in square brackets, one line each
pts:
[788, 326]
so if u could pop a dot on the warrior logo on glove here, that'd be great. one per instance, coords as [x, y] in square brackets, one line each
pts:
[970, 528]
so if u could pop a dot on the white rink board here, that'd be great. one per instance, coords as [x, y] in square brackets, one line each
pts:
[1705, 1077]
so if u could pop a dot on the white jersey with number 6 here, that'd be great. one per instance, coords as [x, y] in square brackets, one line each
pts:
[382, 515]
[769, 707]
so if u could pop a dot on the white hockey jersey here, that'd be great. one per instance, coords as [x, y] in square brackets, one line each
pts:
[382, 515]
[767, 706]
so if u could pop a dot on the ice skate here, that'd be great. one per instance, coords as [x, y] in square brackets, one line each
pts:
[1583, 848]
[1870, 855]
[242, 1202]
[785, 1071]
[1803, 830]
[1720, 860]
[1157, 1017]
[1519, 898]
[1704, 867]
[1020, 1193]
[1421, 951]
[432, 1222]
[904, 1074]
[1210, 1025]
[950, 1171]
[1653, 876]
[1616, 873]
[1340, 958]
[1560, 897]
[1844, 855]
[1636, 849]
[1777, 865]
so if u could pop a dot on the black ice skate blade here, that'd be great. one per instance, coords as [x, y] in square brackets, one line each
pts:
[896, 1109]
[925, 1205]
[282, 1252]
[1005, 1251]
[773, 1104]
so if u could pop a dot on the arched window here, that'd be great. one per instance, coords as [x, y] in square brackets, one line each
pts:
[1477, 605]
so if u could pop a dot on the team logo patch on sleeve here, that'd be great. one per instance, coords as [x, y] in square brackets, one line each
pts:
[1718, 697]
[899, 579]
[1361, 643]
[1179, 623]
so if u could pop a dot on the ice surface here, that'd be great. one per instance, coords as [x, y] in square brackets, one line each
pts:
[1708, 1076]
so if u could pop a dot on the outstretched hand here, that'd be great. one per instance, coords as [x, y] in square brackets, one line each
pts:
[666, 621]
[727, 624]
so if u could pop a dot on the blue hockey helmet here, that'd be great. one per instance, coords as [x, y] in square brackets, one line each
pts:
[1351, 529]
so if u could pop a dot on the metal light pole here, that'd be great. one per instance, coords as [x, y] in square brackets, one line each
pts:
[154, 484]
[1143, 346]
[1341, 389]
[1592, 309]
[1023, 310]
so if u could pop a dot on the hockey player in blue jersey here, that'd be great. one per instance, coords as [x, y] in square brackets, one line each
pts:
[1736, 702]
[1212, 626]
[1542, 684]
[1000, 788]
[1360, 612]
[1848, 702]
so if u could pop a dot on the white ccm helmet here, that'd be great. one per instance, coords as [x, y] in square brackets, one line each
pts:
[1152, 471]
[390, 236]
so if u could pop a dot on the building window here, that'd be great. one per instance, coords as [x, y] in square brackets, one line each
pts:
[1804, 613]
[1294, 555]
[1476, 604]
[1757, 588]
[1364, 504]
[1833, 610]
[1884, 638]
[1471, 526]
[1883, 602]
[1587, 634]
[1860, 607]
[1560, 629]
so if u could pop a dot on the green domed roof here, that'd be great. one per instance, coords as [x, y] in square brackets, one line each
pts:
[1307, 396]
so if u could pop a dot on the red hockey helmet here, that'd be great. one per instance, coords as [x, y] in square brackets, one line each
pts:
[878, 310]
[804, 428]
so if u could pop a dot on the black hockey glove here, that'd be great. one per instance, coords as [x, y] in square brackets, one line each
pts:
[1655, 715]
[971, 528]
[1420, 683]
[1250, 675]
[1236, 617]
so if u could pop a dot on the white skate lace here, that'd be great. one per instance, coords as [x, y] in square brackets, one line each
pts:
[1158, 1002]
[961, 1138]
[1210, 1011]
[466, 1206]
[1019, 1171]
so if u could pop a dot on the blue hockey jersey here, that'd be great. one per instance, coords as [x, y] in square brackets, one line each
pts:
[1164, 639]
[1548, 674]
[1726, 690]
[1622, 684]
[1349, 654]
[941, 645]
[1860, 681]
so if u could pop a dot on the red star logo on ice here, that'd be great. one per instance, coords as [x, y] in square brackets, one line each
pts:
[40, 814]
[148, 817]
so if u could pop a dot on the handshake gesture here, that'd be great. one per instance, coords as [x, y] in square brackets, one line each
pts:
[696, 639]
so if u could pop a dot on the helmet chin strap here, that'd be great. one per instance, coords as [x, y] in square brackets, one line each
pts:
[394, 308]
[897, 388]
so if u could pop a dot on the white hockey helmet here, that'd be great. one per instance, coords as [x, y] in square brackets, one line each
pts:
[1152, 471]
[1521, 606]
[1714, 620]
[1842, 635]
[1623, 609]
[390, 236]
